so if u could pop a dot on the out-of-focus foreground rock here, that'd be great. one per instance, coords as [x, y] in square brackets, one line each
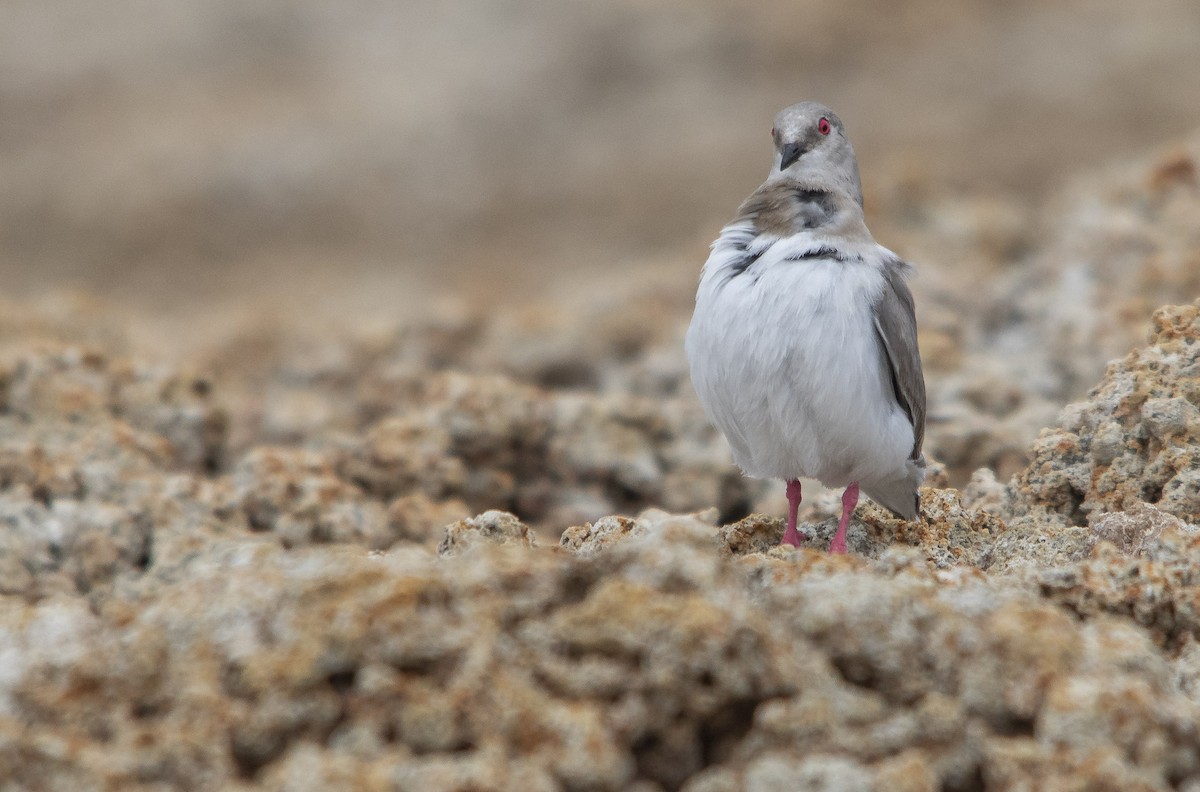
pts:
[398, 561]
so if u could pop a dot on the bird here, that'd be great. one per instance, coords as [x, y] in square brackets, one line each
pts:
[802, 347]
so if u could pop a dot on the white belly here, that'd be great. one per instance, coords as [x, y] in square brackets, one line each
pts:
[786, 363]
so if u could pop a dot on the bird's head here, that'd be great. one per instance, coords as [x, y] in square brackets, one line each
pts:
[811, 147]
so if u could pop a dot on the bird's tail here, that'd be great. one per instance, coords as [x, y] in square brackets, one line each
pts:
[900, 495]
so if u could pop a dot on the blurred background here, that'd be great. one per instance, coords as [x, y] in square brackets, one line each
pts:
[355, 159]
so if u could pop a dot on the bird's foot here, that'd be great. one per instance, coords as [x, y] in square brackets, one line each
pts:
[793, 537]
[849, 501]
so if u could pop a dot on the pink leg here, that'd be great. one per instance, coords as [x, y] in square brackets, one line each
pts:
[792, 536]
[849, 501]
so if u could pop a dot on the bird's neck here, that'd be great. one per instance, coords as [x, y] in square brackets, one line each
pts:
[788, 206]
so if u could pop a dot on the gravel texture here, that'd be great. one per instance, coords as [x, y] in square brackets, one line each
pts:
[285, 620]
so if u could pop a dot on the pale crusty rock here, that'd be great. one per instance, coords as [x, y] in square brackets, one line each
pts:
[757, 533]
[418, 518]
[1187, 669]
[73, 383]
[466, 408]
[93, 451]
[1011, 660]
[489, 441]
[985, 492]
[491, 527]
[1036, 541]
[908, 771]
[435, 686]
[783, 772]
[1157, 589]
[1136, 440]
[403, 456]
[311, 768]
[296, 495]
[1132, 531]
[656, 662]
[946, 531]
[591, 538]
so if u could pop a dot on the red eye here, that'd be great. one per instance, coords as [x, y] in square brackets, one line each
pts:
[772, 131]
[823, 126]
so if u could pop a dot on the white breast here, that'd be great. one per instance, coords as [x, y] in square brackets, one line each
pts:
[785, 360]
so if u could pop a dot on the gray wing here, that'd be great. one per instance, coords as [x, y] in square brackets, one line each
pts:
[896, 329]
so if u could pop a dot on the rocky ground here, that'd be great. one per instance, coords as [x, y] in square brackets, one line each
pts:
[501, 549]
[346, 439]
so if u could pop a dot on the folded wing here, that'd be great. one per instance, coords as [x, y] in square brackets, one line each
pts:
[896, 329]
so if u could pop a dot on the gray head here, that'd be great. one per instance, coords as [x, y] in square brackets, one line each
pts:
[811, 147]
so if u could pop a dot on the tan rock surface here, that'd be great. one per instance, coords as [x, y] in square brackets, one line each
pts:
[1135, 441]
[166, 626]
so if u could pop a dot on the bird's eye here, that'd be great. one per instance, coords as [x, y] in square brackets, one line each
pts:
[772, 132]
[823, 126]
